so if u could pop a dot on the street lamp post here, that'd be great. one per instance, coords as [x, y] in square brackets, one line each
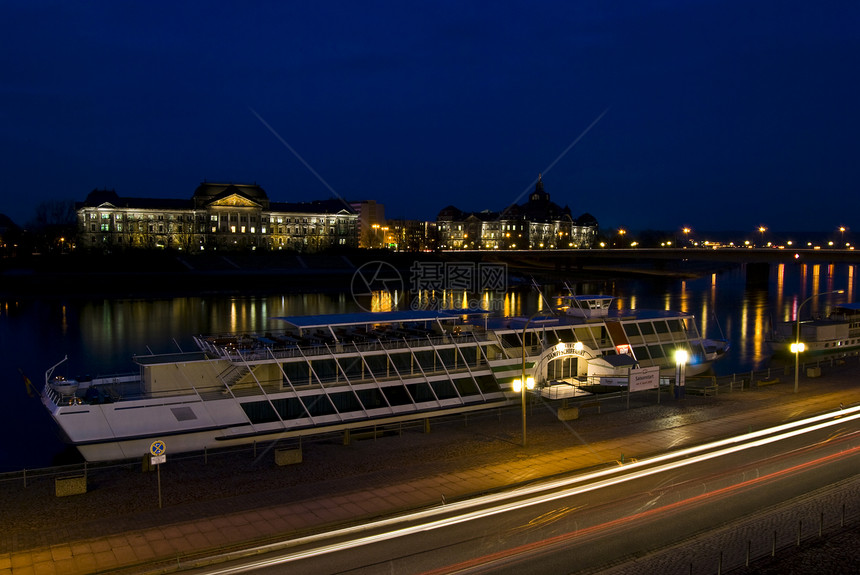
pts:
[520, 385]
[797, 347]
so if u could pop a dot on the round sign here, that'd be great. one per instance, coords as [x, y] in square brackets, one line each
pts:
[157, 448]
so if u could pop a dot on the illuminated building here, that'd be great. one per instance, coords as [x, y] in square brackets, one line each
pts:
[218, 216]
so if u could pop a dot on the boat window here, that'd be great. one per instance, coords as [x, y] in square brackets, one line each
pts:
[421, 392]
[669, 350]
[660, 326]
[631, 330]
[444, 389]
[353, 367]
[511, 340]
[345, 402]
[447, 357]
[397, 395]
[319, 405]
[676, 326]
[584, 334]
[466, 386]
[260, 412]
[646, 328]
[326, 369]
[378, 365]
[487, 384]
[655, 351]
[403, 362]
[427, 360]
[565, 334]
[290, 408]
[298, 373]
[640, 352]
[371, 398]
[532, 338]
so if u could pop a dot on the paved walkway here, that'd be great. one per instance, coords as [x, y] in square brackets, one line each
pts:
[152, 540]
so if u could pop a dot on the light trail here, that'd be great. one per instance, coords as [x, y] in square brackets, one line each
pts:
[566, 488]
[546, 544]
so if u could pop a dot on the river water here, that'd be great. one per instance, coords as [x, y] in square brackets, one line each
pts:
[100, 335]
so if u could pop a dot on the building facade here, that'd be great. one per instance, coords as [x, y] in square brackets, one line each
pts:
[535, 225]
[218, 216]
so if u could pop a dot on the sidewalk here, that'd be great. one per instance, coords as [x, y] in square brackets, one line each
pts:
[232, 502]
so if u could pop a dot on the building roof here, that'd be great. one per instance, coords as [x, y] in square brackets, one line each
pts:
[98, 198]
[539, 208]
[314, 207]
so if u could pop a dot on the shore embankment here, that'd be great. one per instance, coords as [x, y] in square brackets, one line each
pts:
[143, 274]
[236, 498]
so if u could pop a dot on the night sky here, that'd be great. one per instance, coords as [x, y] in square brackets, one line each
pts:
[716, 115]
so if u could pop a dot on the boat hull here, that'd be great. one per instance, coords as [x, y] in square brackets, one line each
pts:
[241, 389]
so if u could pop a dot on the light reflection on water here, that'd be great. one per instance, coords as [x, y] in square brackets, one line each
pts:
[100, 336]
[106, 332]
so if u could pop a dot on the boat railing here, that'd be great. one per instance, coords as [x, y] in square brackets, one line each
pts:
[261, 352]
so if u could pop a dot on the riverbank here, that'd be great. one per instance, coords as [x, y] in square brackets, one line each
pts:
[231, 499]
[143, 274]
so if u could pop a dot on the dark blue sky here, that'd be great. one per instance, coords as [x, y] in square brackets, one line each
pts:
[721, 115]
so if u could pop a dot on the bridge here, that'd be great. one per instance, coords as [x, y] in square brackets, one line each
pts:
[662, 261]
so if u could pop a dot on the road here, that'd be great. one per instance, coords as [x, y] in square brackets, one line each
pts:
[586, 522]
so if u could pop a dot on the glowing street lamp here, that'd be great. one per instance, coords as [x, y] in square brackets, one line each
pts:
[762, 230]
[681, 357]
[798, 347]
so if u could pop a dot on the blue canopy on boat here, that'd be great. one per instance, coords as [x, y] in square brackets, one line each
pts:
[364, 318]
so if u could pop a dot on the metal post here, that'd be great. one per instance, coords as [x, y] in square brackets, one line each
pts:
[523, 375]
[523, 387]
[797, 334]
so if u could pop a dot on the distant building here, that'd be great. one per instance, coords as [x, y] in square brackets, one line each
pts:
[218, 216]
[535, 225]
[371, 220]
[10, 235]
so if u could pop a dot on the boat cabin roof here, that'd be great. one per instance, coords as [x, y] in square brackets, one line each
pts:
[365, 318]
[584, 297]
